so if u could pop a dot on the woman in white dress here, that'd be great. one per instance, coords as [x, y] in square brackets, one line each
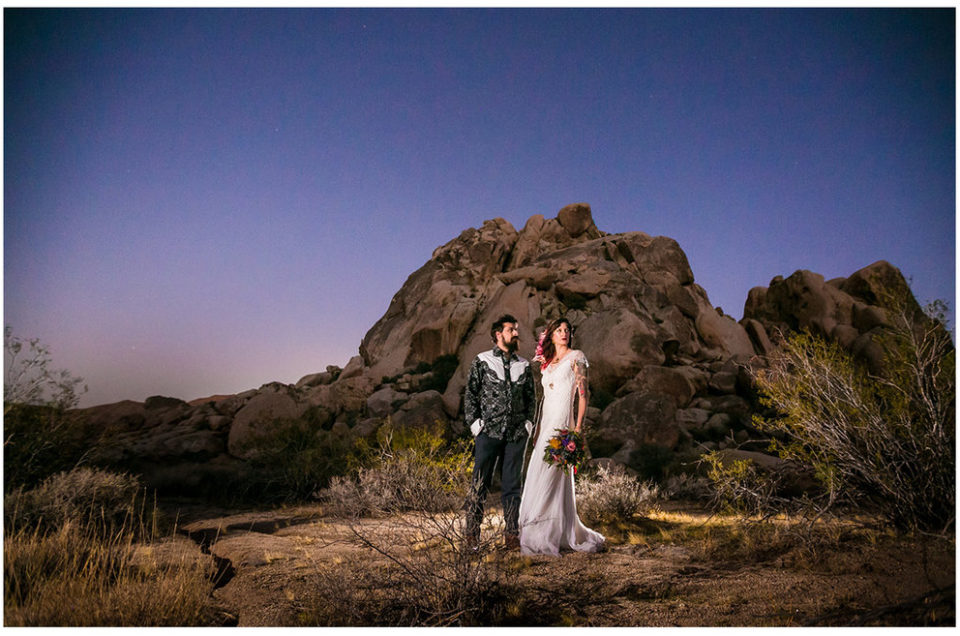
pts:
[548, 505]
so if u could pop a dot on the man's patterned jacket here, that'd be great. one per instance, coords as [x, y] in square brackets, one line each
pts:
[499, 399]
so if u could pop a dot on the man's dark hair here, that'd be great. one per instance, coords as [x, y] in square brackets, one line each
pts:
[498, 325]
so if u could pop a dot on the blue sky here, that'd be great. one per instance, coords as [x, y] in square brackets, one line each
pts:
[202, 201]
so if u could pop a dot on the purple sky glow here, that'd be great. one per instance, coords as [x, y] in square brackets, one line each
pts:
[203, 201]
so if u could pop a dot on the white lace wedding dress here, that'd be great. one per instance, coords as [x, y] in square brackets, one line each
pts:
[548, 506]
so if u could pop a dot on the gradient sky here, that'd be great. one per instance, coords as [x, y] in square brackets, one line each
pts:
[203, 201]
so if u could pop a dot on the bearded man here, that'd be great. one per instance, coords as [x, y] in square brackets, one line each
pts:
[499, 406]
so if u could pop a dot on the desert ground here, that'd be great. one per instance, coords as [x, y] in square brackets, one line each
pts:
[680, 566]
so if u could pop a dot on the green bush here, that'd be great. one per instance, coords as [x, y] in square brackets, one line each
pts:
[883, 438]
[741, 487]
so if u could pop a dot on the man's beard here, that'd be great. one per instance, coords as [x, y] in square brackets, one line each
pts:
[512, 345]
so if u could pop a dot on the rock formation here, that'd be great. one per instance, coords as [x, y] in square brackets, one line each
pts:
[667, 369]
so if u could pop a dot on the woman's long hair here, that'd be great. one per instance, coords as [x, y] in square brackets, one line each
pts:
[549, 350]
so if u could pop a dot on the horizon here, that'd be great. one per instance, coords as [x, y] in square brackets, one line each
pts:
[193, 197]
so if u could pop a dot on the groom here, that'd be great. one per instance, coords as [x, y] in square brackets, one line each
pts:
[499, 404]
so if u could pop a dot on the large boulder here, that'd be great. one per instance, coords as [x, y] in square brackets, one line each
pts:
[617, 343]
[255, 418]
[631, 297]
[724, 334]
[669, 381]
[347, 395]
[874, 283]
[576, 219]
[381, 402]
[643, 417]
[431, 314]
[850, 311]
[422, 410]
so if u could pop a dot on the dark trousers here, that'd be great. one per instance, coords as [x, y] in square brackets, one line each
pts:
[487, 452]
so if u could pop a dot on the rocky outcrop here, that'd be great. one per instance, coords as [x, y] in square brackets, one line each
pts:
[668, 370]
[849, 311]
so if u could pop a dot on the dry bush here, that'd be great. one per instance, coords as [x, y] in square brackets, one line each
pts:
[88, 497]
[742, 487]
[72, 577]
[40, 436]
[79, 559]
[412, 469]
[884, 438]
[686, 486]
[420, 572]
[406, 511]
[611, 494]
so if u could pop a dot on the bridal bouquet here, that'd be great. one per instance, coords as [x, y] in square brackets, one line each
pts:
[565, 449]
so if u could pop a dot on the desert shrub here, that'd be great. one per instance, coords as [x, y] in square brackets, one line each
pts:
[686, 486]
[411, 487]
[611, 494]
[740, 486]
[409, 469]
[29, 379]
[291, 458]
[77, 575]
[96, 499]
[884, 438]
[420, 572]
[40, 436]
[40, 441]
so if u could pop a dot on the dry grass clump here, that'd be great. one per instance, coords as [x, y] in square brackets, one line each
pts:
[420, 572]
[611, 494]
[70, 578]
[405, 508]
[74, 555]
[410, 470]
[88, 495]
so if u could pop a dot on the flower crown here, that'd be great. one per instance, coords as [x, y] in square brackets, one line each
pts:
[539, 354]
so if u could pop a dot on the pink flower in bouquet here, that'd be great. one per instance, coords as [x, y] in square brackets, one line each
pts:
[571, 446]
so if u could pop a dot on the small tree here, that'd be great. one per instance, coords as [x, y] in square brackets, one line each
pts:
[884, 438]
[38, 437]
[28, 378]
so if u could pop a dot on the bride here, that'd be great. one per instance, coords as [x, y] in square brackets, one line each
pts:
[548, 505]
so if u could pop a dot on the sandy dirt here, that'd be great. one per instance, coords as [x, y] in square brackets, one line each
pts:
[273, 567]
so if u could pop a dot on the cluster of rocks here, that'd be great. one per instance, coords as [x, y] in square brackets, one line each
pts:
[667, 369]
